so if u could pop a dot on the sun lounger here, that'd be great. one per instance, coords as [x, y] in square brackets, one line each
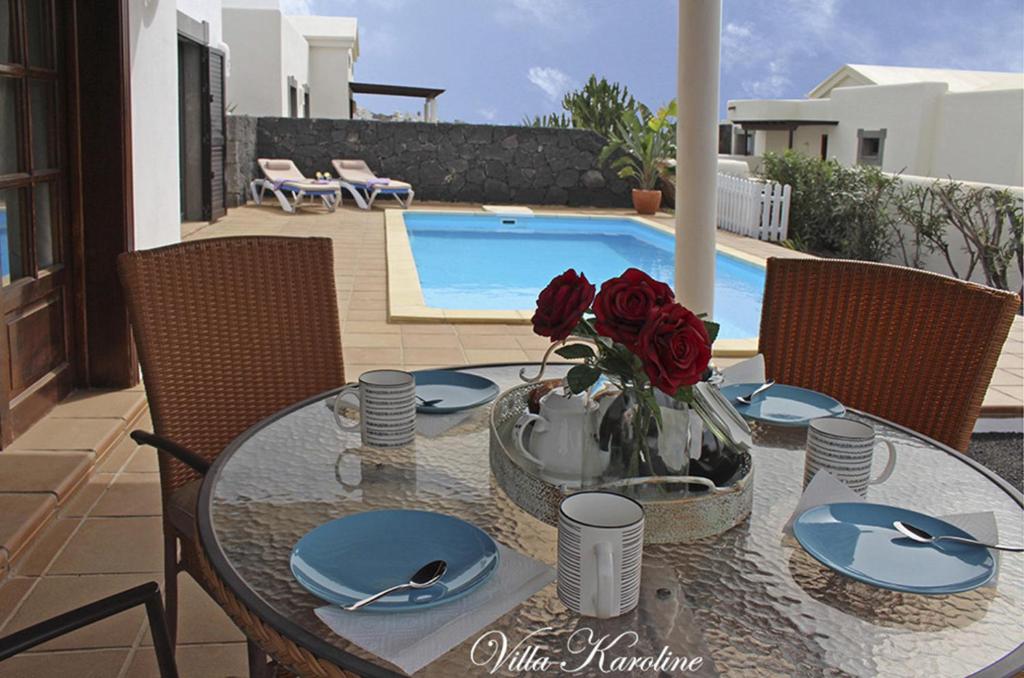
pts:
[290, 186]
[358, 179]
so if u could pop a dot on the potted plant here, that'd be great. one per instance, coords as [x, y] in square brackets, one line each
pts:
[641, 145]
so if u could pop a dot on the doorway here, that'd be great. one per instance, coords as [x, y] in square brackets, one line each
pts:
[37, 368]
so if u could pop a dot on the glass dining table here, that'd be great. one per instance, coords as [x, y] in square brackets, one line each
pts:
[750, 600]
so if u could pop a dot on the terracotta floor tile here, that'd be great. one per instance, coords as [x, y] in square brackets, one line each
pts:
[489, 341]
[114, 460]
[390, 340]
[45, 546]
[353, 370]
[12, 591]
[476, 356]
[131, 494]
[364, 315]
[429, 340]
[466, 329]
[533, 342]
[54, 595]
[70, 434]
[375, 356]
[426, 328]
[79, 664]
[56, 472]
[368, 327]
[432, 356]
[143, 460]
[99, 403]
[86, 495]
[20, 516]
[112, 546]
[195, 661]
[200, 619]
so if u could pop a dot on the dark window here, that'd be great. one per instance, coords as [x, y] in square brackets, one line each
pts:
[293, 101]
[305, 102]
[824, 147]
[870, 147]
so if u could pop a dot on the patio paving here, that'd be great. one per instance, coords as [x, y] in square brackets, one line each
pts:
[81, 518]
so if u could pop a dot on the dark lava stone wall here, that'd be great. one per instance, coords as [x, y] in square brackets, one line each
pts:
[455, 162]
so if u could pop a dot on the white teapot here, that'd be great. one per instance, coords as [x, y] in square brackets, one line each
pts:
[562, 440]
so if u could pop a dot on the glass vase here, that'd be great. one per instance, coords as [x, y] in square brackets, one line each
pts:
[651, 460]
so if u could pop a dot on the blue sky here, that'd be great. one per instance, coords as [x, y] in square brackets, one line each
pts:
[500, 60]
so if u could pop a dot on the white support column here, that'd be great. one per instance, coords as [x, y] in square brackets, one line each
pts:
[700, 27]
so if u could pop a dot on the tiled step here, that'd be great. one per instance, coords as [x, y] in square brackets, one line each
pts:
[41, 469]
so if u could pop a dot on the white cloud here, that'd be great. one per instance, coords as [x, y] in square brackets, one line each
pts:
[294, 7]
[557, 16]
[488, 113]
[772, 84]
[554, 82]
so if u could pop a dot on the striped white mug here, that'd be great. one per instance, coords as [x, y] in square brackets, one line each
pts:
[845, 448]
[387, 408]
[600, 549]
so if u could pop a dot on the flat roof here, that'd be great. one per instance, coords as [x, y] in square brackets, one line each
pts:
[394, 90]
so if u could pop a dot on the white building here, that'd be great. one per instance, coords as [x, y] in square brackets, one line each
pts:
[967, 125]
[294, 66]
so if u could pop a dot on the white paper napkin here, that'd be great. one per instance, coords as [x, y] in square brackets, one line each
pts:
[825, 488]
[411, 640]
[750, 371]
[722, 412]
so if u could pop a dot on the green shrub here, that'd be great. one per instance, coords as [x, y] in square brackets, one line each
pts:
[835, 210]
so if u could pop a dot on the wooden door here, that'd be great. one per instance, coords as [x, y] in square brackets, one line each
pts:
[36, 367]
[191, 130]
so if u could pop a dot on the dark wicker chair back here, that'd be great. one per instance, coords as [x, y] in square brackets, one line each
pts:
[230, 330]
[913, 347]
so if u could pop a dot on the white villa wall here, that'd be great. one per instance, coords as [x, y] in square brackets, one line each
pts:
[209, 11]
[294, 63]
[936, 262]
[908, 113]
[982, 137]
[329, 69]
[153, 36]
[970, 136]
[255, 39]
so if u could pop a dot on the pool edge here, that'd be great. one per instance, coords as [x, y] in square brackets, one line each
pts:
[405, 293]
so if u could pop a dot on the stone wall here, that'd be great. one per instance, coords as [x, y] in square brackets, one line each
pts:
[451, 162]
[240, 163]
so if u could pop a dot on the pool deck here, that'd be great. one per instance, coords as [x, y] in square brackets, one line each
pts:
[371, 340]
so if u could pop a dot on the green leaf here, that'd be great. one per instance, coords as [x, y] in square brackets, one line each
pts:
[575, 351]
[712, 328]
[582, 377]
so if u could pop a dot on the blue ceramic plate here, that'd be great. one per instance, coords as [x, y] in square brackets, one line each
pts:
[784, 405]
[457, 390]
[858, 540]
[351, 558]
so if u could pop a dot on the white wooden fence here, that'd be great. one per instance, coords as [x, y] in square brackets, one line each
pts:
[756, 209]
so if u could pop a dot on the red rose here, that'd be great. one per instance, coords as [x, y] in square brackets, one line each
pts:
[674, 347]
[561, 304]
[624, 303]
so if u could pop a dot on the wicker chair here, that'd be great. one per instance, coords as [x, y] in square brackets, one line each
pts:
[914, 347]
[228, 330]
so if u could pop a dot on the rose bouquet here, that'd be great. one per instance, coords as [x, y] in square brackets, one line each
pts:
[636, 334]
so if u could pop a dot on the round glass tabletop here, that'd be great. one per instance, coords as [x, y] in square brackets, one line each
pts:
[750, 599]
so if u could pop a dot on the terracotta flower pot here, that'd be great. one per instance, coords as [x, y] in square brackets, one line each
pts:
[646, 202]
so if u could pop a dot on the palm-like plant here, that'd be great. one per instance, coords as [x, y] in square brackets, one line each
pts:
[642, 145]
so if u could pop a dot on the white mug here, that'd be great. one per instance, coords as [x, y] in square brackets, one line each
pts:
[845, 448]
[600, 549]
[387, 408]
[561, 441]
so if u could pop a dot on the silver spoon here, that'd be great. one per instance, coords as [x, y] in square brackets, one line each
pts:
[747, 399]
[425, 577]
[428, 403]
[919, 535]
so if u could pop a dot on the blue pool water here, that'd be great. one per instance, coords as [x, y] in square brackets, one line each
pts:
[477, 262]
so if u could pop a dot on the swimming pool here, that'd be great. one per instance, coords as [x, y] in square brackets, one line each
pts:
[489, 262]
